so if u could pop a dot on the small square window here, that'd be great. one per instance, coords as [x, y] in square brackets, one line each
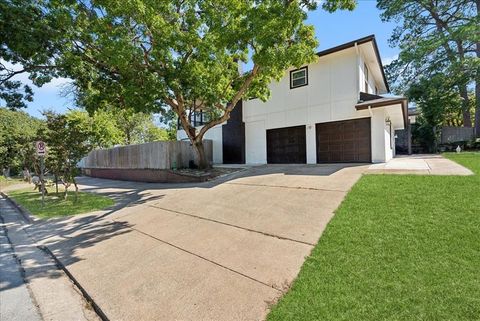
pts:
[298, 78]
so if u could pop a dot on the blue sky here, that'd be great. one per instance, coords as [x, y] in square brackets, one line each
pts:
[331, 28]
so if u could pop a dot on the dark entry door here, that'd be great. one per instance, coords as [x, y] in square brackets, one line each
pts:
[344, 141]
[286, 145]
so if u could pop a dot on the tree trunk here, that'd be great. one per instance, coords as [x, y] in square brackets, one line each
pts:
[477, 85]
[65, 194]
[56, 184]
[202, 161]
[467, 119]
[477, 99]
[76, 190]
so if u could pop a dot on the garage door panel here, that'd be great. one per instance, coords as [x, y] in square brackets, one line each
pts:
[287, 145]
[344, 141]
[349, 147]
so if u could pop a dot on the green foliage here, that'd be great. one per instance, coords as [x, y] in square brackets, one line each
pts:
[183, 54]
[135, 127]
[435, 37]
[434, 97]
[187, 48]
[32, 49]
[105, 132]
[13, 95]
[68, 140]
[18, 133]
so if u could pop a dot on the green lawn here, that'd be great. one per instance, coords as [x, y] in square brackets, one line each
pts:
[56, 206]
[398, 248]
[7, 182]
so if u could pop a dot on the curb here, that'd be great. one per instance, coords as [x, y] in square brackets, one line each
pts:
[29, 218]
[85, 294]
[26, 215]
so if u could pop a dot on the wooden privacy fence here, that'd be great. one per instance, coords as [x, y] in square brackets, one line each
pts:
[156, 155]
[456, 134]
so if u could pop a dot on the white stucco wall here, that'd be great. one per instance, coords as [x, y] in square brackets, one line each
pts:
[378, 135]
[215, 134]
[382, 138]
[331, 95]
[255, 142]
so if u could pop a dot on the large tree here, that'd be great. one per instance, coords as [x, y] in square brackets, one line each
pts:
[179, 55]
[29, 43]
[435, 96]
[436, 36]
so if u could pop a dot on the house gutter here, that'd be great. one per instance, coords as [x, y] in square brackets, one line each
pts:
[370, 111]
[357, 67]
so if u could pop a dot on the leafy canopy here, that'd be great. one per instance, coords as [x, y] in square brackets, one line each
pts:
[18, 132]
[155, 56]
[436, 37]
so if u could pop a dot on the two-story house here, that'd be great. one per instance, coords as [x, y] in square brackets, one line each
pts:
[328, 111]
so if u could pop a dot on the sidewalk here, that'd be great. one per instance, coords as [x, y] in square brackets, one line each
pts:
[15, 300]
[44, 291]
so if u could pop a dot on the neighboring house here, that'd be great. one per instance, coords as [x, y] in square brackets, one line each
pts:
[328, 111]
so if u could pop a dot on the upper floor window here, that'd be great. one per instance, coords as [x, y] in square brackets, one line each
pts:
[299, 77]
[366, 77]
[197, 118]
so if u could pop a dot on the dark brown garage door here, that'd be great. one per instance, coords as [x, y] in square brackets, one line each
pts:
[344, 141]
[286, 145]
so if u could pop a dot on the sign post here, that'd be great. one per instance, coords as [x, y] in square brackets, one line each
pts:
[41, 152]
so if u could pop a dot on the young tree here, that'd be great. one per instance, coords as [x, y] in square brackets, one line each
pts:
[182, 54]
[68, 139]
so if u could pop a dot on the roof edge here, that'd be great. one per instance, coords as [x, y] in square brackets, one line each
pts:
[403, 101]
[359, 41]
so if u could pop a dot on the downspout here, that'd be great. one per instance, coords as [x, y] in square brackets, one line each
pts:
[357, 71]
[372, 143]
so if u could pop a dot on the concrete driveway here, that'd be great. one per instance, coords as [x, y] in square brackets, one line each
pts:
[419, 164]
[222, 250]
